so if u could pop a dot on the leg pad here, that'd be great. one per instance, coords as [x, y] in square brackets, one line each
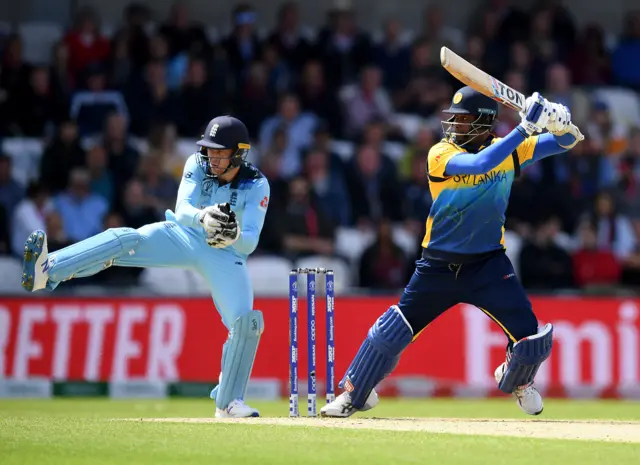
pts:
[239, 352]
[378, 356]
[525, 359]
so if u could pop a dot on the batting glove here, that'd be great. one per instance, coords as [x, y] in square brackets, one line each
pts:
[535, 115]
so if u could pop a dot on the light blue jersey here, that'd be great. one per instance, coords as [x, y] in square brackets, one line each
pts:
[248, 196]
[181, 242]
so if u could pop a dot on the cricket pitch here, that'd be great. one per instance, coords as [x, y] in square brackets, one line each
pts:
[585, 430]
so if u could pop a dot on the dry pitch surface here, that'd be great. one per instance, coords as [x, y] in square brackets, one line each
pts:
[587, 430]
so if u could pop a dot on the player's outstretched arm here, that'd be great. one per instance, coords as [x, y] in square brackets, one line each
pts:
[487, 159]
[534, 120]
[253, 218]
[187, 213]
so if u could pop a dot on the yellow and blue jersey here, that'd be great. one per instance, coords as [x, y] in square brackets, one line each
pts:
[468, 212]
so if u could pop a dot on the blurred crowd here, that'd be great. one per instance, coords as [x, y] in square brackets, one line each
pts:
[574, 220]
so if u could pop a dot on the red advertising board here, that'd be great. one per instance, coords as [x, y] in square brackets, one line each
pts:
[596, 351]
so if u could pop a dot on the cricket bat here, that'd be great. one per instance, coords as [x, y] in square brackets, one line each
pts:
[486, 84]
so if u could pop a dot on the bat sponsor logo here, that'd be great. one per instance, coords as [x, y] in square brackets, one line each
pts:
[506, 94]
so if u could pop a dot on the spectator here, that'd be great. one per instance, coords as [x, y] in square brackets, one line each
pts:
[419, 148]
[279, 76]
[14, 72]
[542, 43]
[254, 103]
[625, 66]
[589, 61]
[81, 211]
[614, 229]
[424, 86]
[271, 165]
[629, 175]
[299, 126]
[139, 209]
[609, 136]
[593, 266]
[383, 263]
[56, 235]
[39, 107]
[329, 187]
[563, 28]
[199, 99]
[274, 156]
[176, 66]
[305, 229]
[316, 98]
[373, 188]
[365, 102]
[342, 48]
[590, 171]
[475, 48]
[559, 89]
[436, 31]
[62, 83]
[153, 102]
[11, 192]
[101, 180]
[393, 56]
[61, 155]
[417, 196]
[121, 67]
[242, 46]
[543, 264]
[28, 216]
[521, 59]
[122, 155]
[184, 36]
[86, 44]
[134, 34]
[90, 107]
[289, 39]
[163, 149]
[160, 187]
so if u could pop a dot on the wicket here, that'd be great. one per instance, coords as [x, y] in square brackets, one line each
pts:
[310, 274]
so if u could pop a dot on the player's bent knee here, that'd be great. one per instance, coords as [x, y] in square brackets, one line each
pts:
[525, 359]
[390, 332]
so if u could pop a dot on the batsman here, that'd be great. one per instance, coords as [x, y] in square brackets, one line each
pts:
[463, 254]
[220, 210]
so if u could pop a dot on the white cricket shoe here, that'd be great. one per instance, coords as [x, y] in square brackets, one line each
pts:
[341, 407]
[35, 265]
[237, 409]
[527, 397]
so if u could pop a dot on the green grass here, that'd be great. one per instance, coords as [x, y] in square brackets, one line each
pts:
[70, 432]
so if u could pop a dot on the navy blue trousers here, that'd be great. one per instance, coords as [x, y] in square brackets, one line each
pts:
[489, 284]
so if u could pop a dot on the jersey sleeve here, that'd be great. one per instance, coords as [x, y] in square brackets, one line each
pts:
[253, 217]
[526, 149]
[438, 157]
[187, 212]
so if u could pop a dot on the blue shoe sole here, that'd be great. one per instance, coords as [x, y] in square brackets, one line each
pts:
[32, 250]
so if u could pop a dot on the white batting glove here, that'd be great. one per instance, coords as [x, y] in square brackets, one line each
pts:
[535, 114]
[215, 217]
[559, 120]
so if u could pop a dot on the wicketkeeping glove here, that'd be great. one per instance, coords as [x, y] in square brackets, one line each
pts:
[215, 217]
[227, 232]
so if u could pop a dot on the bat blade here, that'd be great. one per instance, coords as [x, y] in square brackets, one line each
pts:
[477, 79]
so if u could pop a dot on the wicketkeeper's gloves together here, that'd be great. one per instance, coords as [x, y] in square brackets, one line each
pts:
[220, 224]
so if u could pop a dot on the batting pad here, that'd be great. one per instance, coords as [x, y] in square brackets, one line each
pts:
[378, 355]
[88, 257]
[526, 357]
[239, 354]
